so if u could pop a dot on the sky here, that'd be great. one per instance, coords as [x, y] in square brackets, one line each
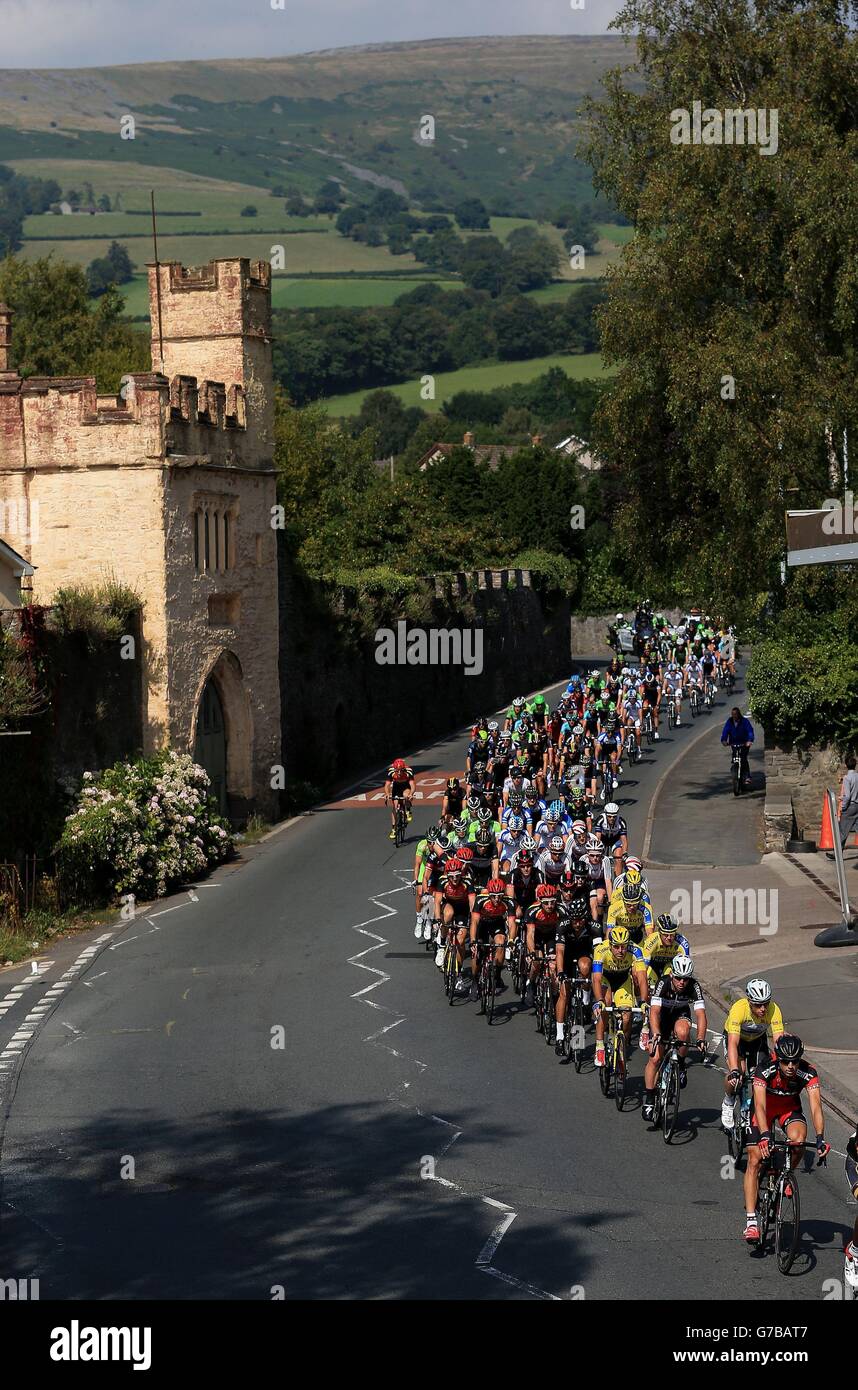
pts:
[91, 33]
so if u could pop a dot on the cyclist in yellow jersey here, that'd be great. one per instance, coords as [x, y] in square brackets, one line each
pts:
[618, 974]
[660, 947]
[630, 910]
[753, 1026]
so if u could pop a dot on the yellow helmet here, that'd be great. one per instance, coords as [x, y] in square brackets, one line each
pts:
[632, 875]
[618, 936]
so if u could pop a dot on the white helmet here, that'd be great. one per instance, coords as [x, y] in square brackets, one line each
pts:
[682, 967]
[612, 809]
[758, 991]
[620, 618]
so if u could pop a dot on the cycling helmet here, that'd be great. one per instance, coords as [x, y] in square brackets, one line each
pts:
[454, 865]
[682, 967]
[666, 923]
[632, 892]
[546, 890]
[632, 875]
[473, 803]
[567, 881]
[618, 936]
[524, 857]
[479, 767]
[758, 991]
[619, 618]
[579, 827]
[484, 836]
[539, 701]
[528, 843]
[452, 784]
[555, 844]
[788, 1047]
[493, 726]
[432, 832]
[460, 826]
[496, 888]
[518, 702]
[443, 841]
[399, 765]
[594, 844]
[516, 800]
[632, 862]
[515, 824]
[465, 852]
[484, 815]
[579, 879]
[557, 809]
[612, 809]
[530, 793]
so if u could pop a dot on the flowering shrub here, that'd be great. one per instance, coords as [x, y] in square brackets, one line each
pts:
[143, 827]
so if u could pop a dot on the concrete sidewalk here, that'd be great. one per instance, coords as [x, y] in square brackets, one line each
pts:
[758, 916]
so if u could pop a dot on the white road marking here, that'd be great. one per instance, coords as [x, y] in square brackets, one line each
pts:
[483, 1261]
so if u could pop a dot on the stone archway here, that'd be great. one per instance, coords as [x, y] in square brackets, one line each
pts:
[222, 736]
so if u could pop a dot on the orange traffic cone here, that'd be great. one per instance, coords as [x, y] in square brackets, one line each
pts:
[826, 839]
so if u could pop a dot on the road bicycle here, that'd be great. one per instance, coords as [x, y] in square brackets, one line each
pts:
[544, 997]
[485, 969]
[400, 821]
[647, 729]
[726, 679]
[708, 693]
[615, 1071]
[667, 1088]
[672, 711]
[779, 1208]
[736, 780]
[737, 1135]
[518, 965]
[633, 747]
[606, 780]
[694, 701]
[574, 1027]
[452, 968]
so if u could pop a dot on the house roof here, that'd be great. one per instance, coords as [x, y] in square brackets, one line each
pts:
[19, 565]
[488, 455]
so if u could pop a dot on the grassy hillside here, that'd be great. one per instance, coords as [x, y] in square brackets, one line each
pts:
[505, 112]
[484, 377]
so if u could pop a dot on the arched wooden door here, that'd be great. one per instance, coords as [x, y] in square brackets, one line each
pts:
[210, 743]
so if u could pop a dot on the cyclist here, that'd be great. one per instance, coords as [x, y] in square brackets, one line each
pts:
[778, 1086]
[752, 1023]
[609, 745]
[651, 694]
[399, 786]
[593, 864]
[574, 942]
[454, 903]
[552, 864]
[533, 808]
[484, 819]
[673, 687]
[484, 864]
[454, 800]
[423, 928]
[738, 731]
[619, 974]
[676, 994]
[510, 842]
[726, 653]
[492, 912]
[541, 921]
[522, 883]
[851, 1251]
[615, 834]
[662, 946]
[630, 910]
[515, 711]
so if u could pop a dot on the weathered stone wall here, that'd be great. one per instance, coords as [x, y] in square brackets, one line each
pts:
[802, 775]
[342, 710]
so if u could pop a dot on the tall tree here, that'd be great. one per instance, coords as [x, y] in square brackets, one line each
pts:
[732, 314]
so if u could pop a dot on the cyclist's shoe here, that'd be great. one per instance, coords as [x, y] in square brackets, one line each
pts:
[558, 1048]
[727, 1114]
[409, 817]
[463, 985]
[683, 1078]
[752, 1230]
[616, 781]
[647, 1112]
[528, 996]
[418, 930]
[678, 721]
[439, 955]
[427, 930]
[474, 992]
[392, 835]
[500, 983]
[655, 735]
[851, 1268]
[600, 1054]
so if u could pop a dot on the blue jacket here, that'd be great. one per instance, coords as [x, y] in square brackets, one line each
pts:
[743, 732]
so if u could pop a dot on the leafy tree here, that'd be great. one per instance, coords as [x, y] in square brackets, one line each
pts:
[384, 415]
[104, 203]
[118, 256]
[56, 331]
[248, 210]
[732, 313]
[471, 215]
[522, 330]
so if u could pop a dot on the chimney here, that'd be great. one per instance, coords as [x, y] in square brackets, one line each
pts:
[468, 440]
[5, 339]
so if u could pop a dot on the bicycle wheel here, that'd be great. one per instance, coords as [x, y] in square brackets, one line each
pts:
[548, 1015]
[490, 989]
[764, 1202]
[671, 715]
[452, 973]
[787, 1217]
[578, 1031]
[736, 774]
[693, 703]
[619, 1068]
[482, 986]
[605, 1071]
[670, 1113]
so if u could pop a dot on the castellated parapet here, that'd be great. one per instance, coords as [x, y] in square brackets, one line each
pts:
[169, 487]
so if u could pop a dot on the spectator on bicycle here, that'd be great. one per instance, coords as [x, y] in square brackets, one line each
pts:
[778, 1086]
[738, 732]
[753, 1026]
[674, 997]
[398, 786]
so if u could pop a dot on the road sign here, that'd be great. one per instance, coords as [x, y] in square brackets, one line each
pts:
[820, 537]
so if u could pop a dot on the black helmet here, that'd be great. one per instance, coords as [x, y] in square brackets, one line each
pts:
[789, 1048]
[484, 836]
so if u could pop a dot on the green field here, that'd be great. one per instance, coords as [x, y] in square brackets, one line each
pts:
[480, 378]
[556, 293]
[609, 231]
[307, 294]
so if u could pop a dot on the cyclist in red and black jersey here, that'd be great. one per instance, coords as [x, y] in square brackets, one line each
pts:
[493, 914]
[778, 1087]
[522, 883]
[399, 786]
[454, 902]
[541, 922]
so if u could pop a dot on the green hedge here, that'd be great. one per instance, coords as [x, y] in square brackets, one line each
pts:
[806, 693]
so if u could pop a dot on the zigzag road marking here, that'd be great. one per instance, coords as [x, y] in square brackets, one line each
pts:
[484, 1259]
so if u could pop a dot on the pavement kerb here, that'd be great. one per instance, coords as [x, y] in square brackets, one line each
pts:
[647, 840]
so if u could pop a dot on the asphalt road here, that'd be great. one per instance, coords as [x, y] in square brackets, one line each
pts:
[160, 1142]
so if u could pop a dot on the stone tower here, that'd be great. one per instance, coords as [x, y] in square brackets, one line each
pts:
[169, 488]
